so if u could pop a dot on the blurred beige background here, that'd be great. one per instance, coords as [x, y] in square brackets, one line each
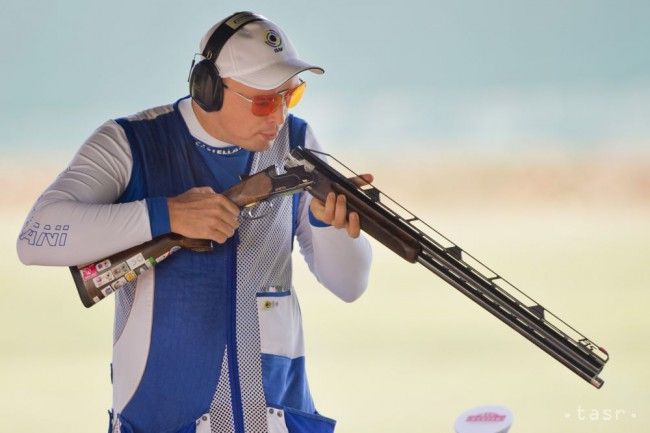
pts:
[412, 353]
[517, 128]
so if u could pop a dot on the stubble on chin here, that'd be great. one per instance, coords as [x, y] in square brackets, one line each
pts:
[261, 147]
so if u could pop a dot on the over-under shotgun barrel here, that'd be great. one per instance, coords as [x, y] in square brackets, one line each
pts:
[406, 237]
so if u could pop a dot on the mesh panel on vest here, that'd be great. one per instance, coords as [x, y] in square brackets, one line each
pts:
[263, 260]
[123, 302]
[221, 420]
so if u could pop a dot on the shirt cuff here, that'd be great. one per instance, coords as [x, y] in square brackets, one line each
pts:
[315, 221]
[158, 216]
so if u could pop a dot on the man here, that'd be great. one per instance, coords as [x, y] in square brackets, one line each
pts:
[207, 342]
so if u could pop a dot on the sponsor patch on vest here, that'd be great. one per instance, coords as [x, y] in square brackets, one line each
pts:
[135, 261]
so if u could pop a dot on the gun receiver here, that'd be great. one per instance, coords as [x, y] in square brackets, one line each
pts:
[99, 279]
[415, 241]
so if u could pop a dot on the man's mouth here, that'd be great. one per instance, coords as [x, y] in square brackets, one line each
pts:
[269, 136]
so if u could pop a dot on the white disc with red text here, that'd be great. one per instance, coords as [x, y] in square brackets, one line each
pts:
[484, 419]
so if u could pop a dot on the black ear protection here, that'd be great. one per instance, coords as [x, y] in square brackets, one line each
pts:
[206, 85]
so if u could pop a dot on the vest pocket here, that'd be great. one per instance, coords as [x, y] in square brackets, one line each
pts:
[118, 424]
[280, 324]
[303, 422]
[288, 420]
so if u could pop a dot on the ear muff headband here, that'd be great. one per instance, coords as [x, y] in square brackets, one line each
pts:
[206, 85]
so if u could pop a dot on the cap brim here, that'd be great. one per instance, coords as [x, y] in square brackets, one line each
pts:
[276, 74]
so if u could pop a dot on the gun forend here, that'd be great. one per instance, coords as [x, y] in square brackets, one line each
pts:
[378, 222]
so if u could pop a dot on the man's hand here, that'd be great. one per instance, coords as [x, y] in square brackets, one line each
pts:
[201, 213]
[334, 209]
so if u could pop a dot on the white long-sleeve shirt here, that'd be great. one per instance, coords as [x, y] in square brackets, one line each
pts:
[76, 219]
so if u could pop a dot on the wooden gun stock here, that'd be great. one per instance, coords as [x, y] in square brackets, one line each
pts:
[97, 280]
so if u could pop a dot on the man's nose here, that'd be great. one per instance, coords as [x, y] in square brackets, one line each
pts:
[279, 115]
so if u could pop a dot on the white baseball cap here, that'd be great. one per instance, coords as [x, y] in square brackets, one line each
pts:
[259, 55]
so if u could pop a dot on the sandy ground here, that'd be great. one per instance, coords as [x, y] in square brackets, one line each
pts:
[412, 353]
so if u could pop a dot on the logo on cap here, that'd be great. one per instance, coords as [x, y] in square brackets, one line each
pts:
[274, 40]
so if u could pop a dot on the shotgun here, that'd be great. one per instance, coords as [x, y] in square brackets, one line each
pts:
[392, 225]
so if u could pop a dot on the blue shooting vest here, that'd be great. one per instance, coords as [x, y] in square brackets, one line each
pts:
[193, 308]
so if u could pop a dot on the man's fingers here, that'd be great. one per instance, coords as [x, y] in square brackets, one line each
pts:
[330, 208]
[354, 227]
[217, 237]
[369, 178]
[201, 213]
[223, 218]
[318, 206]
[218, 230]
[203, 189]
[339, 214]
[226, 204]
[224, 224]
[362, 179]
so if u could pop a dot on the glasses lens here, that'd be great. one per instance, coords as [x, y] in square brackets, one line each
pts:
[263, 105]
[295, 95]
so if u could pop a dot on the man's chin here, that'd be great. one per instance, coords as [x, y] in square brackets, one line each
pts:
[266, 141]
[260, 146]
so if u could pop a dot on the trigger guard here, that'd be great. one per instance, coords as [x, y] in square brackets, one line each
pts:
[247, 213]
